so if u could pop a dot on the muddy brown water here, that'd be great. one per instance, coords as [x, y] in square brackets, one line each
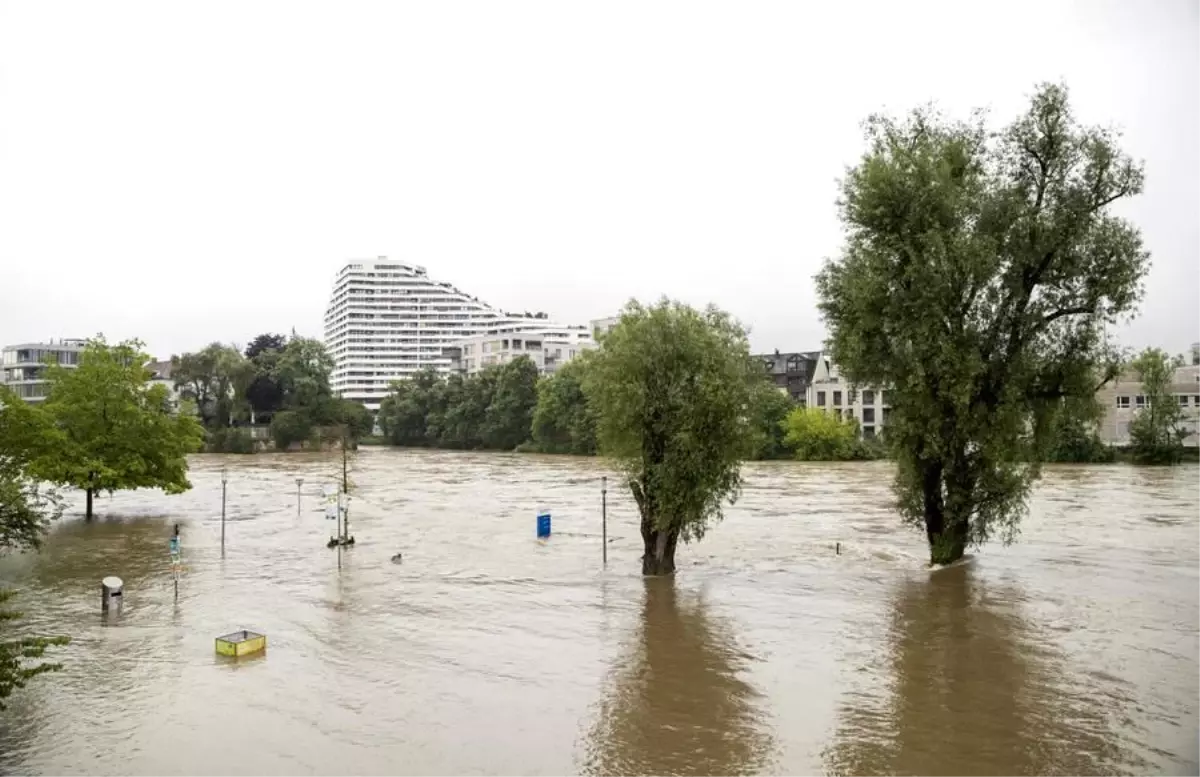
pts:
[485, 651]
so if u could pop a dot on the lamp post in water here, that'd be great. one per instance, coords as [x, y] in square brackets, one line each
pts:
[604, 516]
[224, 480]
[299, 482]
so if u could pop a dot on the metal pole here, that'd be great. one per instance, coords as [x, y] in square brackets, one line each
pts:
[224, 480]
[345, 490]
[604, 516]
[299, 482]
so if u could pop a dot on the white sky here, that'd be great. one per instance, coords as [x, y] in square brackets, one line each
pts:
[189, 172]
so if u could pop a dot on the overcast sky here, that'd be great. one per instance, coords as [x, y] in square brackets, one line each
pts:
[189, 172]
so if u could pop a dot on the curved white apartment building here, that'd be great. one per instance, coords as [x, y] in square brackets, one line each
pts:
[388, 320]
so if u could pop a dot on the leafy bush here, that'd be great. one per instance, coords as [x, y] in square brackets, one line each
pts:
[229, 440]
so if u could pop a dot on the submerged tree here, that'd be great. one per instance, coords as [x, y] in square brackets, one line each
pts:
[977, 279]
[671, 388]
[112, 429]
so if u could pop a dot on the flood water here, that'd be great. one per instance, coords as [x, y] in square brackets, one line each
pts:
[486, 651]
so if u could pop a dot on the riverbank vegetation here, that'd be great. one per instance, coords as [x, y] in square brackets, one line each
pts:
[501, 404]
[278, 383]
[977, 279]
[105, 427]
[812, 434]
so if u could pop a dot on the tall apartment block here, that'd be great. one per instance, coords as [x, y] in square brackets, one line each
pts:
[388, 320]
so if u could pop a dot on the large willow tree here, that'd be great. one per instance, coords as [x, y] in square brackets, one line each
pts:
[978, 275]
[671, 389]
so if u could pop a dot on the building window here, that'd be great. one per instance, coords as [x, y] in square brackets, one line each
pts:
[887, 415]
[1183, 400]
[868, 432]
[1139, 401]
[868, 414]
[868, 398]
[793, 364]
[837, 399]
[820, 399]
[1196, 400]
[1123, 402]
[883, 398]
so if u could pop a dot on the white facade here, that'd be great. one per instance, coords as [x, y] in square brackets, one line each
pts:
[602, 325]
[866, 404]
[23, 366]
[1123, 398]
[388, 320]
[549, 348]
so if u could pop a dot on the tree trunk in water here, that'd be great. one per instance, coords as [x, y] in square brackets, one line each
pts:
[89, 504]
[659, 555]
[947, 535]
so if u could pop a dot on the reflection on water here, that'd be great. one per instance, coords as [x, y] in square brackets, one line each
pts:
[489, 652]
[678, 705]
[972, 691]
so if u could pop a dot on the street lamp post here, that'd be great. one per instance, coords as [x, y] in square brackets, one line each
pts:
[224, 481]
[604, 516]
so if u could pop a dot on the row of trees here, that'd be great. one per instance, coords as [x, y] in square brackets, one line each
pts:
[980, 273]
[507, 407]
[276, 380]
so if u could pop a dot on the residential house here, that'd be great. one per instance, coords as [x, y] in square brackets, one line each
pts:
[866, 404]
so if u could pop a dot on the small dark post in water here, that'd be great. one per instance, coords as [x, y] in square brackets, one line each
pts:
[838, 548]
[604, 516]
[224, 480]
[299, 482]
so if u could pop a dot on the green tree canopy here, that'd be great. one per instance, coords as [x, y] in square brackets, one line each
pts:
[812, 434]
[769, 409]
[1156, 431]
[562, 421]
[410, 409]
[26, 511]
[978, 275]
[214, 378]
[263, 393]
[492, 409]
[303, 372]
[671, 388]
[114, 429]
[510, 413]
[1074, 437]
[291, 426]
[265, 343]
